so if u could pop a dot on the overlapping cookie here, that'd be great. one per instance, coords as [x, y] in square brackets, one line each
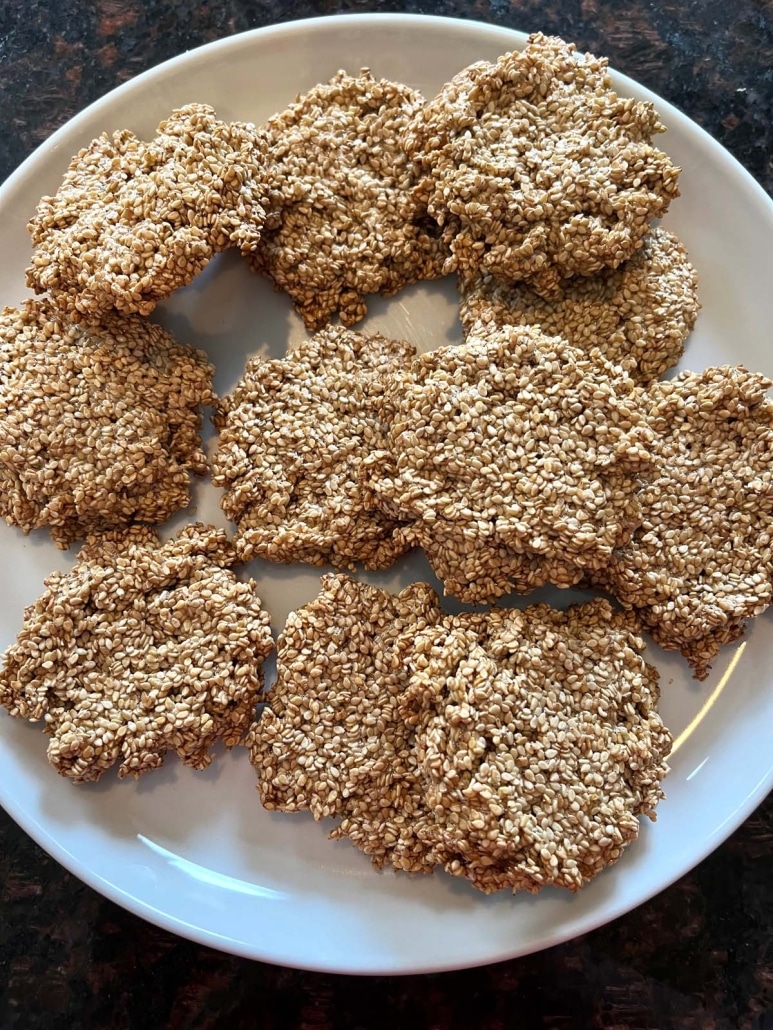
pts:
[517, 749]
[701, 562]
[343, 222]
[513, 440]
[293, 436]
[640, 313]
[537, 170]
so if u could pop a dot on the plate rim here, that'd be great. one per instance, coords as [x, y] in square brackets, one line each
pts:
[114, 892]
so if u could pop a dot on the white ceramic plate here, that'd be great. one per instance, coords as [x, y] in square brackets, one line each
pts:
[194, 852]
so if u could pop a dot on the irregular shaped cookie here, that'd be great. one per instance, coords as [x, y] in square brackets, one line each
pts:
[141, 649]
[99, 423]
[538, 742]
[517, 749]
[701, 563]
[536, 169]
[515, 439]
[342, 219]
[133, 221]
[643, 310]
[330, 740]
[292, 438]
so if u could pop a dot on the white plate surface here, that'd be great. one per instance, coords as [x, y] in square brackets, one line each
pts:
[194, 852]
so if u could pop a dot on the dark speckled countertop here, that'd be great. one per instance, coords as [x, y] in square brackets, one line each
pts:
[698, 956]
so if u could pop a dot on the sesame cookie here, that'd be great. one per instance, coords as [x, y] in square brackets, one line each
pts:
[330, 740]
[513, 439]
[640, 312]
[133, 221]
[292, 438]
[342, 219]
[99, 423]
[141, 649]
[536, 169]
[538, 742]
[701, 563]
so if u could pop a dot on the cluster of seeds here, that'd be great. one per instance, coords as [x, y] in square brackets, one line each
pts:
[537, 170]
[141, 649]
[342, 219]
[293, 436]
[99, 422]
[134, 221]
[638, 314]
[515, 748]
[514, 442]
[701, 562]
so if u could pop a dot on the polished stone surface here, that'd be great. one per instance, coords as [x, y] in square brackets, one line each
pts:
[700, 955]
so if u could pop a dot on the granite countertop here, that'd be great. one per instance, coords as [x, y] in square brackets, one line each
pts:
[700, 955]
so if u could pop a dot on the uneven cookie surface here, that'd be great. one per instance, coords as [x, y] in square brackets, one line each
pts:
[99, 424]
[133, 221]
[517, 749]
[331, 741]
[342, 219]
[143, 648]
[536, 169]
[643, 310]
[701, 563]
[512, 439]
[538, 742]
[293, 436]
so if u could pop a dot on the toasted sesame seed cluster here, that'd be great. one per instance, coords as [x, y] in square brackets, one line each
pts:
[638, 314]
[701, 562]
[293, 435]
[143, 648]
[514, 441]
[99, 422]
[537, 170]
[134, 221]
[343, 221]
[515, 748]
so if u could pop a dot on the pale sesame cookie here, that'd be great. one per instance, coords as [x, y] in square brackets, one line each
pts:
[141, 649]
[701, 563]
[538, 742]
[642, 310]
[330, 740]
[133, 221]
[99, 423]
[292, 438]
[342, 219]
[536, 169]
[513, 439]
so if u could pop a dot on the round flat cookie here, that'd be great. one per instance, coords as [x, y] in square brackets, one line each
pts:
[99, 423]
[536, 169]
[701, 563]
[134, 221]
[143, 648]
[293, 436]
[343, 222]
